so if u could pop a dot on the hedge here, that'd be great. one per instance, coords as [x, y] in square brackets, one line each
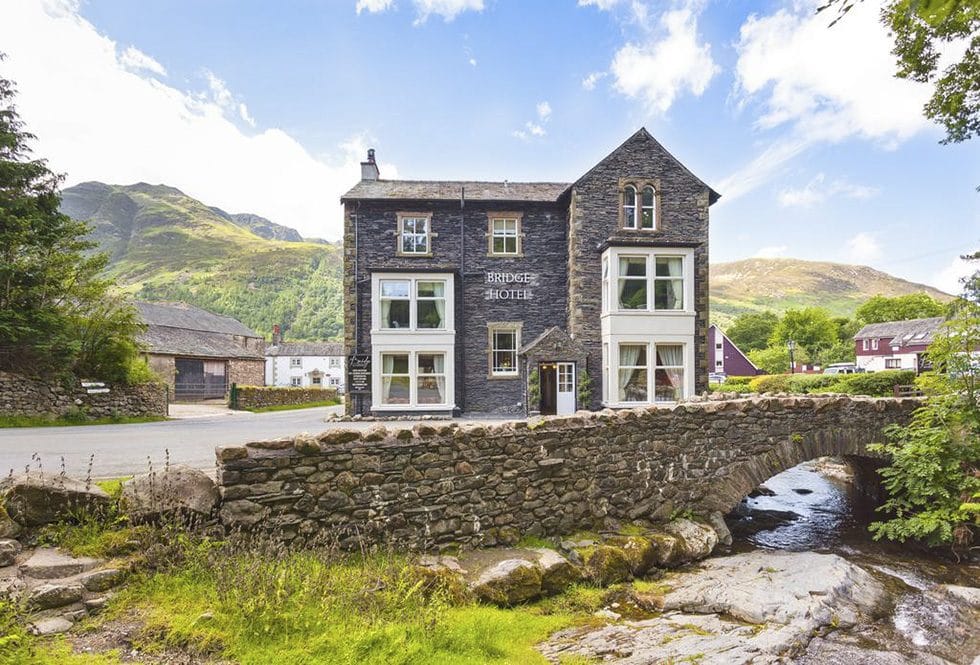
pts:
[876, 384]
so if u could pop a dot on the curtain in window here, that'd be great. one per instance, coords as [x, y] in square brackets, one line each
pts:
[670, 373]
[387, 368]
[670, 355]
[431, 378]
[629, 357]
[386, 314]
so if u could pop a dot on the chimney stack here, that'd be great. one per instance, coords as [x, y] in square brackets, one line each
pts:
[276, 335]
[369, 169]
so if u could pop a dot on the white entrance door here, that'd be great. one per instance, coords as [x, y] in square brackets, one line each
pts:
[566, 389]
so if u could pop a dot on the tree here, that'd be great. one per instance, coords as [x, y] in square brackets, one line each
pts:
[775, 359]
[879, 309]
[933, 473]
[54, 311]
[921, 29]
[811, 328]
[751, 331]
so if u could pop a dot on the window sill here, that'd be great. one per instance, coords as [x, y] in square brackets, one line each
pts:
[650, 312]
[413, 331]
[635, 405]
[503, 377]
[412, 407]
[413, 256]
[491, 255]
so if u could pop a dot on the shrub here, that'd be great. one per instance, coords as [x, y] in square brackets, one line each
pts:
[738, 380]
[877, 384]
[729, 387]
[770, 383]
[807, 383]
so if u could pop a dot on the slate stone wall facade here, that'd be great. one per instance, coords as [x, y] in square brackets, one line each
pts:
[436, 486]
[34, 396]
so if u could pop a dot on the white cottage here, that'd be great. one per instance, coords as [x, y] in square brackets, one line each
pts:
[305, 365]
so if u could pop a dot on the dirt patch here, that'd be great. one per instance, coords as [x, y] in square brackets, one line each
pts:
[122, 635]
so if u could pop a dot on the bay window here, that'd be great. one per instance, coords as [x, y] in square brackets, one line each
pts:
[668, 285]
[396, 303]
[632, 282]
[669, 373]
[396, 380]
[431, 379]
[413, 379]
[413, 304]
[633, 375]
[430, 304]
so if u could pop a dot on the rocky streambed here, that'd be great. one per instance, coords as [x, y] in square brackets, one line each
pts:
[803, 583]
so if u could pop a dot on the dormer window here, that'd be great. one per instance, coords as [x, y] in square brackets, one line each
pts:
[639, 210]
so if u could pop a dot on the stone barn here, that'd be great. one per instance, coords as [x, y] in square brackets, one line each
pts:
[198, 353]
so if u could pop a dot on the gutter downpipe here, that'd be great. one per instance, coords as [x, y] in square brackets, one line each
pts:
[461, 403]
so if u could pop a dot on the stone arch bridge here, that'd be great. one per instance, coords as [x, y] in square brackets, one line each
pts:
[440, 484]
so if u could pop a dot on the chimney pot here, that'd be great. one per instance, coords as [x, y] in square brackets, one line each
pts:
[371, 155]
[369, 168]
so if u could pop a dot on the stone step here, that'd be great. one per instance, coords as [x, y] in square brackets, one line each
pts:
[50, 626]
[49, 564]
[49, 595]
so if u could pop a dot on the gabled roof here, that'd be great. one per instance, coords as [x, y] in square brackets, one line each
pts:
[305, 349]
[453, 190]
[718, 331]
[902, 333]
[188, 317]
[643, 134]
[555, 339]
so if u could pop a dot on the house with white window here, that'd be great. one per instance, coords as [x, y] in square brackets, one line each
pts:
[305, 365]
[895, 344]
[528, 297]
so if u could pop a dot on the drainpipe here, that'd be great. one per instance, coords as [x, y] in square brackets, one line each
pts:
[461, 400]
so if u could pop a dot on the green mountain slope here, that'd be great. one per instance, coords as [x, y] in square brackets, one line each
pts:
[780, 284]
[165, 245]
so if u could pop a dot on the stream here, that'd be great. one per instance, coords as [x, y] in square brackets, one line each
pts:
[814, 507]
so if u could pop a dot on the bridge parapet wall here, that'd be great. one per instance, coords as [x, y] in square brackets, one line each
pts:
[444, 484]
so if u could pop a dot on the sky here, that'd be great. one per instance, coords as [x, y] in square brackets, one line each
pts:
[818, 151]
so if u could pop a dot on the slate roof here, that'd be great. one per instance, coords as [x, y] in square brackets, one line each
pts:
[449, 190]
[182, 315]
[902, 333]
[305, 349]
[184, 330]
[164, 340]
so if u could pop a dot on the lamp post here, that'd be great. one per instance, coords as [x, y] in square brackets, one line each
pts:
[791, 345]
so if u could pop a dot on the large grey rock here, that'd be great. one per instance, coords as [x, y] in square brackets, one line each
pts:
[8, 527]
[48, 564]
[509, 582]
[717, 522]
[557, 572]
[36, 499]
[697, 540]
[9, 549]
[52, 595]
[758, 607]
[177, 491]
[968, 594]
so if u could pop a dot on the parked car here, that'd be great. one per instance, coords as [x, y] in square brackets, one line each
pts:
[842, 368]
[716, 377]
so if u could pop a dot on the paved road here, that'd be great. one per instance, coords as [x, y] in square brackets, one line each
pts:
[122, 450]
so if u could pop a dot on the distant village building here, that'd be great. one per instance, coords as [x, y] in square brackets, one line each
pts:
[523, 297]
[724, 357]
[198, 353]
[895, 344]
[305, 365]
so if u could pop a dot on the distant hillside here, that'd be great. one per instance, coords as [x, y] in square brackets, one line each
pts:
[781, 284]
[165, 245]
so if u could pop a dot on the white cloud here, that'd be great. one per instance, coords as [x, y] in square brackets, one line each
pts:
[863, 247]
[761, 168]
[534, 128]
[819, 190]
[588, 83]
[544, 110]
[472, 61]
[245, 115]
[604, 5]
[949, 279]
[134, 59]
[373, 6]
[771, 252]
[669, 61]
[132, 127]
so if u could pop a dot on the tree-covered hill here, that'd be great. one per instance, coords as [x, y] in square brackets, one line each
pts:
[165, 245]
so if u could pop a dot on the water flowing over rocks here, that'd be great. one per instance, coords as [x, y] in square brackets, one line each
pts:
[756, 607]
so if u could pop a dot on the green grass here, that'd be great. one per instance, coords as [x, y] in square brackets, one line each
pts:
[301, 608]
[41, 421]
[293, 407]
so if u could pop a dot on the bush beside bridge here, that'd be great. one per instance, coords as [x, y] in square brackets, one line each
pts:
[876, 384]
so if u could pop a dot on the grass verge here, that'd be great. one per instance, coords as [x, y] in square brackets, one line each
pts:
[293, 407]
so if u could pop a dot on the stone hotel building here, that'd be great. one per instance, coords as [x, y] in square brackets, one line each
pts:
[526, 297]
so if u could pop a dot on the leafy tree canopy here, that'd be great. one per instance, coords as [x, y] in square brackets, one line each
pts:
[922, 30]
[55, 311]
[751, 331]
[811, 328]
[879, 309]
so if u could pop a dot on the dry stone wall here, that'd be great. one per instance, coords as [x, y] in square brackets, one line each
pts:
[33, 396]
[438, 485]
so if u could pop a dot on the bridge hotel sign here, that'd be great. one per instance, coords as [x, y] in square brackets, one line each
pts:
[509, 285]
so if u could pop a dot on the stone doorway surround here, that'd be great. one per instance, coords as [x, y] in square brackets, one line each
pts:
[552, 346]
